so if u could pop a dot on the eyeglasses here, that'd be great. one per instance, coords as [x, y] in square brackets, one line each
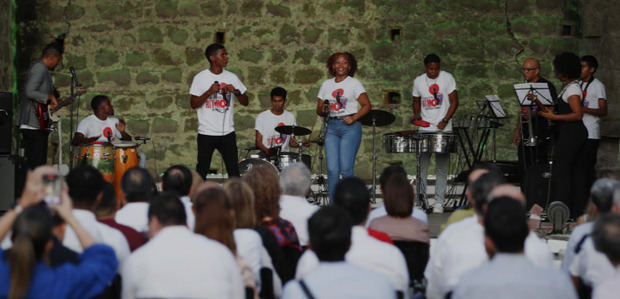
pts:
[529, 69]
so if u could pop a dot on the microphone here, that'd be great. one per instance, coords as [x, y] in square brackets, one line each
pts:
[142, 138]
[109, 135]
[338, 97]
[435, 95]
[72, 71]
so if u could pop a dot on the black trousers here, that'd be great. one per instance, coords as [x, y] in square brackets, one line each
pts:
[568, 178]
[226, 145]
[588, 160]
[35, 146]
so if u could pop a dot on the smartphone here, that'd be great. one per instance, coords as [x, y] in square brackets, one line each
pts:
[52, 185]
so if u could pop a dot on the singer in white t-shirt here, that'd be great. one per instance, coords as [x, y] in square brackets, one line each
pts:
[267, 138]
[343, 100]
[594, 107]
[100, 127]
[214, 92]
[435, 100]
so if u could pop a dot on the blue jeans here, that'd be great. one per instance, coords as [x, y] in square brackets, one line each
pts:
[341, 144]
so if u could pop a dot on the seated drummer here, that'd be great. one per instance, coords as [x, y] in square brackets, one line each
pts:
[100, 127]
[267, 138]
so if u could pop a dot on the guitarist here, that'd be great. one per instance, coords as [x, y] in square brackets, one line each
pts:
[100, 127]
[39, 89]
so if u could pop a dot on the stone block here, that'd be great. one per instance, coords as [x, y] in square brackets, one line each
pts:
[341, 36]
[74, 12]
[549, 4]
[356, 5]
[309, 9]
[172, 75]
[256, 75]
[189, 8]
[278, 56]
[251, 55]
[85, 77]
[123, 24]
[160, 103]
[182, 102]
[245, 122]
[539, 45]
[294, 97]
[311, 35]
[194, 55]
[146, 78]
[191, 124]
[245, 30]
[109, 10]
[311, 94]
[251, 8]
[98, 28]
[506, 91]
[138, 127]
[163, 57]
[106, 57]
[288, 34]
[523, 25]
[279, 10]
[62, 80]
[164, 125]
[178, 36]
[122, 104]
[121, 77]
[264, 98]
[150, 34]
[304, 55]
[279, 76]
[135, 58]
[308, 75]
[78, 62]
[166, 8]
[211, 8]
[323, 55]
[382, 50]
[306, 117]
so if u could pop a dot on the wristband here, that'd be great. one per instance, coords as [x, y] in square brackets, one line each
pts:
[18, 209]
[446, 120]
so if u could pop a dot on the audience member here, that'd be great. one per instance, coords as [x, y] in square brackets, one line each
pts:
[510, 274]
[85, 186]
[380, 211]
[138, 187]
[196, 181]
[105, 212]
[330, 238]
[367, 252]
[178, 179]
[399, 200]
[606, 237]
[295, 181]
[176, 263]
[215, 220]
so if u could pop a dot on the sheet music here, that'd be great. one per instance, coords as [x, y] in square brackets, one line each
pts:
[495, 105]
[541, 90]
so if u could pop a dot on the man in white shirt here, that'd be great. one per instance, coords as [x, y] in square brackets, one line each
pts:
[295, 182]
[177, 263]
[509, 273]
[594, 107]
[214, 92]
[435, 100]
[367, 252]
[138, 187]
[100, 126]
[178, 179]
[267, 138]
[606, 236]
[333, 277]
[85, 186]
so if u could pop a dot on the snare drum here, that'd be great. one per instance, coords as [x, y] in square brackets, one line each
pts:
[438, 143]
[401, 142]
[99, 156]
[247, 164]
[287, 158]
[125, 157]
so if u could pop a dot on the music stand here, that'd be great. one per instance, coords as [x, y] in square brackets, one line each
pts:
[496, 107]
[540, 90]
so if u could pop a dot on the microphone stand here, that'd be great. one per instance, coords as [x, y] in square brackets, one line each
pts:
[321, 180]
[73, 85]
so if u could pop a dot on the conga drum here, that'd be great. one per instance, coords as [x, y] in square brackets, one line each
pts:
[125, 157]
[99, 156]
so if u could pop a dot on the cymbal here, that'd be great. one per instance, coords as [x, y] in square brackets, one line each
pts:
[382, 118]
[293, 130]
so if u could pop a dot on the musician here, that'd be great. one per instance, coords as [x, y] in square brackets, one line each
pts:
[568, 176]
[594, 107]
[267, 138]
[39, 90]
[533, 159]
[435, 100]
[100, 127]
[213, 94]
[344, 101]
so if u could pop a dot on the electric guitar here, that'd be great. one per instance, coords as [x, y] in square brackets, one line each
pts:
[48, 115]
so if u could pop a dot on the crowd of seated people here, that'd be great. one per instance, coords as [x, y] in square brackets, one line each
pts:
[258, 237]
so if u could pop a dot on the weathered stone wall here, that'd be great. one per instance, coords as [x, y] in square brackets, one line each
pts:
[143, 54]
[5, 46]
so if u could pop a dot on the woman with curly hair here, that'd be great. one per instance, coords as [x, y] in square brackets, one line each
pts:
[344, 101]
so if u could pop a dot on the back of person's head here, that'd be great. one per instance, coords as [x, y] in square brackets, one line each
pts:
[602, 194]
[97, 101]
[242, 201]
[352, 196]
[215, 216]
[168, 209]
[567, 64]
[266, 187]
[107, 205]
[485, 168]
[177, 179]
[591, 61]
[278, 92]
[481, 188]
[85, 183]
[506, 225]
[51, 50]
[606, 236]
[137, 185]
[389, 171]
[398, 196]
[31, 232]
[330, 233]
[432, 58]
[211, 49]
[295, 179]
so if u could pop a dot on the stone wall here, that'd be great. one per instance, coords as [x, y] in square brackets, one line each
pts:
[143, 54]
[6, 83]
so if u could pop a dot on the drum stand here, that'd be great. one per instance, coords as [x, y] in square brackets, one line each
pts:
[321, 197]
[374, 162]
[418, 174]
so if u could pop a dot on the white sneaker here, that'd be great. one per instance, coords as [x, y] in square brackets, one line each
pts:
[437, 208]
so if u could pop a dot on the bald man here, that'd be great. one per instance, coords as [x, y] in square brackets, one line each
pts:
[533, 160]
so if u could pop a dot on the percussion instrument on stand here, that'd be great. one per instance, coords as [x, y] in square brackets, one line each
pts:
[99, 156]
[376, 118]
[125, 158]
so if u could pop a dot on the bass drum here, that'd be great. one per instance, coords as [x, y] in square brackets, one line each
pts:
[247, 164]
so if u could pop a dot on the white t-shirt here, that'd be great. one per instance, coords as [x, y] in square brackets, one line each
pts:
[215, 116]
[346, 91]
[266, 123]
[434, 110]
[571, 89]
[591, 95]
[92, 126]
